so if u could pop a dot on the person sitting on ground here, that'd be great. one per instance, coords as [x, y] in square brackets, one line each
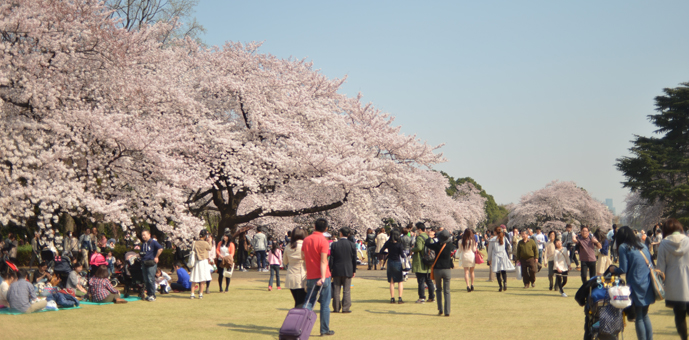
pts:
[162, 281]
[22, 296]
[100, 288]
[73, 280]
[182, 283]
[8, 278]
[42, 275]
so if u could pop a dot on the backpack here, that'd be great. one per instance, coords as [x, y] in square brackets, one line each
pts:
[427, 255]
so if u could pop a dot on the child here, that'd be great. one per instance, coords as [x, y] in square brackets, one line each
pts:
[118, 265]
[561, 266]
[111, 263]
[275, 261]
[162, 280]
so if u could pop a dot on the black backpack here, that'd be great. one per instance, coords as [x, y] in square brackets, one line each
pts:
[428, 254]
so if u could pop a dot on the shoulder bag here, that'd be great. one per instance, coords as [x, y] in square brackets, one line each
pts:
[191, 261]
[657, 278]
[436, 260]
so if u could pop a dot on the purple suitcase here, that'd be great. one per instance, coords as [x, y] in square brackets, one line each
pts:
[299, 322]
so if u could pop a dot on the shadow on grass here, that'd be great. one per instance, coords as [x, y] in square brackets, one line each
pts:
[394, 312]
[252, 329]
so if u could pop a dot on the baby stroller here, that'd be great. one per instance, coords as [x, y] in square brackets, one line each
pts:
[602, 321]
[62, 268]
[133, 276]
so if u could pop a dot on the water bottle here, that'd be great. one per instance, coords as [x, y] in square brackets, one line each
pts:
[617, 281]
[598, 280]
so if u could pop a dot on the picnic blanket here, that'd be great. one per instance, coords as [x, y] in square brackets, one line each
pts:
[10, 311]
[129, 299]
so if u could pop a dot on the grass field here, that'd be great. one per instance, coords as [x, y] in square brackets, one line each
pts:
[250, 311]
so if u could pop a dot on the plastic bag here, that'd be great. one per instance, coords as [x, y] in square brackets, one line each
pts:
[52, 305]
[519, 272]
[619, 296]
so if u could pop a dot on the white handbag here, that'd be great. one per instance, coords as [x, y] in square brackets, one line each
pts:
[191, 261]
[228, 272]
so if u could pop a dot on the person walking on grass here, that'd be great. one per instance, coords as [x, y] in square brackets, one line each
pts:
[343, 267]
[549, 255]
[442, 270]
[201, 272]
[275, 261]
[586, 245]
[225, 259]
[561, 267]
[150, 251]
[569, 245]
[371, 249]
[604, 260]
[381, 238]
[540, 241]
[673, 260]
[527, 253]
[421, 271]
[296, 271]
[395, 252]
[314, 250]
[498, 259]
[467, 254]
[634, 259]
[260, 245]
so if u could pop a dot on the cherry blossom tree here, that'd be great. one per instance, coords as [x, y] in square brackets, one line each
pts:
[280, 141]
[557, 204]
[86, 125]
[640, 213]
[102, 122]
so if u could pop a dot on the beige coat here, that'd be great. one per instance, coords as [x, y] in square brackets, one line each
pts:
[380, 241]
[296, 270]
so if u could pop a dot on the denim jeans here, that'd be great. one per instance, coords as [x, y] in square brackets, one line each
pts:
[150, 279]
[422, 278]
[372, 258]
[324, 300]
[274, 268]
[644, 331]
[261, 259]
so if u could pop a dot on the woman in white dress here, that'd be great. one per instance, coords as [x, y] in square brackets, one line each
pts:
[498, 248]
[201, 273]
[467, 254]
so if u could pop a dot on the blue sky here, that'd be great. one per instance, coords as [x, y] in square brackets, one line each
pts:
[520, 92]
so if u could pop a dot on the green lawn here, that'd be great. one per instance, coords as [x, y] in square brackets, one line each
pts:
[250, 311]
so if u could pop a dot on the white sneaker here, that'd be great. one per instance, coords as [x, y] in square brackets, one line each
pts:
[564, 295]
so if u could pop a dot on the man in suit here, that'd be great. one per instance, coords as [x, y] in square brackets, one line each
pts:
[343, 268]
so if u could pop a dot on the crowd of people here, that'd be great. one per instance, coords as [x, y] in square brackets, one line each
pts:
[320, 266]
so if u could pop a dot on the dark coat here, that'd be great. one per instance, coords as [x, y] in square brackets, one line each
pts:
[342, 258]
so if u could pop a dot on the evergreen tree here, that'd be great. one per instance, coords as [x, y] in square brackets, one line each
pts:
[659, 166]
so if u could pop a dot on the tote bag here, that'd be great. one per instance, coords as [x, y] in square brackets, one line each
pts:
[657, 278]
[191, 261]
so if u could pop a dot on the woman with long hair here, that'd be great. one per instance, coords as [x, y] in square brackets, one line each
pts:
[201, 272]
[225, 252]
[549, 255]
[395, 253]
[296, 270]
[673, 260]
[604, 260]
[634, 257]
[498, 259]
[467, 254]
